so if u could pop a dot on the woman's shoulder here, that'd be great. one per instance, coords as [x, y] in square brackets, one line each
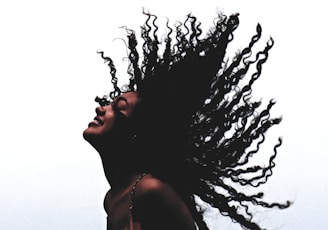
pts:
[150, 185]
[158, 203]
[155, 193]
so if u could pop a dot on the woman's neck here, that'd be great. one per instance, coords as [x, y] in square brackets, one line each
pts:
[119, 171]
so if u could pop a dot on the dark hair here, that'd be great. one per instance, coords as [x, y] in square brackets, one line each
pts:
[197, 121]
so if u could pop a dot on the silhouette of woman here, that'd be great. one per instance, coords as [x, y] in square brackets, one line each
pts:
[184, 128]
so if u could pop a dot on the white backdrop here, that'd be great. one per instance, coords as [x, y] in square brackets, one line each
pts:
[50, 73]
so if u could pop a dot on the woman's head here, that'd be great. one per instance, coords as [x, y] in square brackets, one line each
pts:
[113, 123]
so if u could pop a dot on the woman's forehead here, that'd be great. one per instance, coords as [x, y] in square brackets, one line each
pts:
[131, 97]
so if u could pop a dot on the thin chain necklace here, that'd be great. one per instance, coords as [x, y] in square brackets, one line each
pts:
[134, 190]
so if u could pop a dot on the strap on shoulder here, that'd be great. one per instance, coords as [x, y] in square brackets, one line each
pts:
[134, 190]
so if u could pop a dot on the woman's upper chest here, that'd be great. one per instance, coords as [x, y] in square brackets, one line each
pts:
[117, 209]
[119, 204]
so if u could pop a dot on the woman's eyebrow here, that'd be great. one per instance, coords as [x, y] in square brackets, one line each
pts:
[120, 99]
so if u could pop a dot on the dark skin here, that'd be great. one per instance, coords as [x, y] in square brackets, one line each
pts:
[156, 204]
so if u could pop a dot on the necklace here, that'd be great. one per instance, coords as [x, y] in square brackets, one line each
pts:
[134, 190]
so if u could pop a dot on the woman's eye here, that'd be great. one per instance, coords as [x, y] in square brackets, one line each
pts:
[121, 105]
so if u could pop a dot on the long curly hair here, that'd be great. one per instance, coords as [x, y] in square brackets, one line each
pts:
[198, 124]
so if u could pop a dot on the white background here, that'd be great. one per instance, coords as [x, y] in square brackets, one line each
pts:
[50, 178]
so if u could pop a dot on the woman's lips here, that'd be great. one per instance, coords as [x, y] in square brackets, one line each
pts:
[93, 124]
[96, 122]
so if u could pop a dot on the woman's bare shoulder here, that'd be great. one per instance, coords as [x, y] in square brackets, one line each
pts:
[152, 193]
[152, 185]
[158, 204]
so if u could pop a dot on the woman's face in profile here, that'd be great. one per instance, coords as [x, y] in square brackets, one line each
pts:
[106, 117]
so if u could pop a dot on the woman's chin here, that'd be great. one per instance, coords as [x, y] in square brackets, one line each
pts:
[88, 135]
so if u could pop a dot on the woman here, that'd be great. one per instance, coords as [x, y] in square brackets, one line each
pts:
[184, 128]
[155, 204]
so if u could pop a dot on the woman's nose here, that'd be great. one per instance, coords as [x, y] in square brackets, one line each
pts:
[100, 110]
